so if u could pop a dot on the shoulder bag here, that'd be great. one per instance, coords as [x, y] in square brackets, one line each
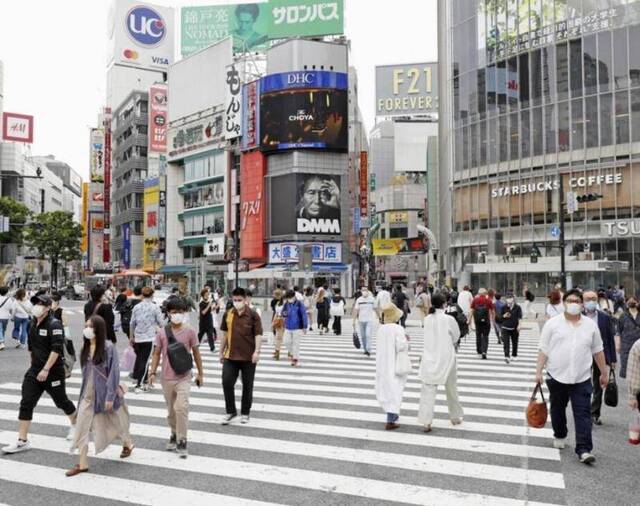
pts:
[611, 391]
[179, 357]
[536, 413]
[403, 365]
[356, 341]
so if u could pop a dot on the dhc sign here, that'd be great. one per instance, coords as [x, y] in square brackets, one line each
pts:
[145, 26]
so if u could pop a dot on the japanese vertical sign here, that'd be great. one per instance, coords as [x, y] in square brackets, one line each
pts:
[251, 115]
[126, 245]
[106, 123]
[97, 155]
[233, 103]
[364, 195]
[158, 118]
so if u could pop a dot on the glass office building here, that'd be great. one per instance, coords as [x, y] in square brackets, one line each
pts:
[541, 95]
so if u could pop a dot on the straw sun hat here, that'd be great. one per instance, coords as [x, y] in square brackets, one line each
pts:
[391, 313]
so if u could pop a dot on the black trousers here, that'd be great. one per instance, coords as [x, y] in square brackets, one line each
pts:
[510, 342]
[482, 337]
[230, 371]
[596, 400]
[337, 325]
[143, 352]
[211, 337]
[32, 390]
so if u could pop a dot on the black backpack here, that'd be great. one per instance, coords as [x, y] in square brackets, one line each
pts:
[179, 357]
[481, 314]
[463, 324]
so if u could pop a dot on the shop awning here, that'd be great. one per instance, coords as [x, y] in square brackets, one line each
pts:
[330, 267]
[176, 269]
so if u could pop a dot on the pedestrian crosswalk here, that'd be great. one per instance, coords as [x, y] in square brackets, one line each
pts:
[315, 437]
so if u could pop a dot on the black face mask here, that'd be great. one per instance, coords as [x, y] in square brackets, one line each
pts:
[632, 305]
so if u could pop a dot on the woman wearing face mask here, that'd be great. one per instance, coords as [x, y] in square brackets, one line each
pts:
[277, 321]
[510, 318]
[60, 314]
[604, 303]
[628, 333]
[101, 409]
[21, 318]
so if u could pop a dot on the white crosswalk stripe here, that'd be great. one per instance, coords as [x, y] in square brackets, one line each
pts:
[318, 431]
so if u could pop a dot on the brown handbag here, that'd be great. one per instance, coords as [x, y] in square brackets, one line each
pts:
[537, 411]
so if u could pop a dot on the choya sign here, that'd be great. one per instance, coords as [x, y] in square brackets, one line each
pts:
[506, 190]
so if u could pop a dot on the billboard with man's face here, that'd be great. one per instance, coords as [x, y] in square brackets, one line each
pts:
[302, 110]
[315, 210]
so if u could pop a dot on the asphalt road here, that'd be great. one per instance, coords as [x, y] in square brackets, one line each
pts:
[316, 437]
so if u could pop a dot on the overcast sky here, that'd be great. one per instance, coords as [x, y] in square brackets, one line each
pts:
[54, 60]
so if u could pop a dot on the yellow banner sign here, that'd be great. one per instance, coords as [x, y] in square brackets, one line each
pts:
[386, 247]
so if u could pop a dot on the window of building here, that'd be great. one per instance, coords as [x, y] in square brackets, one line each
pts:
[398, 233]
[605, 61]
[563, 126]
[501, 83]
[591, 121]
[620, 69]
[474, 145]
[466, 144]
[577, 124]
[535, 66]
[549, 74]
[537, 130]
[634, 55]
[524, 80]
[622, 117]
[482, 94]
[590, 62]
[575, 67]
[493, 140]
[525, 140]
[483, 143]
[503, 137]
[635, 115]
[137, 227]
[550, 128]
[606, 120]
[491, 90]
[512, 83]
[562, 71]
[514, 137]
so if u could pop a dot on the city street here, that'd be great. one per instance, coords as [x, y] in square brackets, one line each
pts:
[316, 437]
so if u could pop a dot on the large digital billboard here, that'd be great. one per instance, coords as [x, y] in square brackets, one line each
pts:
[302, 110]
[315, 208]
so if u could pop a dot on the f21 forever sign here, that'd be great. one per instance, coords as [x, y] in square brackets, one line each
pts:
[407, 90]
[306, 204]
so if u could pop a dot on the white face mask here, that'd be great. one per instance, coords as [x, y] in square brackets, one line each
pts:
[177, 318]
[89, 333]
[239, 305]
[365, 293]
[38, 311]
[510, 302]
[574, 308]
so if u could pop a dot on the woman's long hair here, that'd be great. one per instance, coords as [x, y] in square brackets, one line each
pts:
[100, 331]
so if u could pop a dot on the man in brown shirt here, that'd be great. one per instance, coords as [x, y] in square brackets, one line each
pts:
[239, 353]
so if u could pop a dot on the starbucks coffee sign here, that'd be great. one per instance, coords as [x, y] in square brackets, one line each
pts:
[506, 190]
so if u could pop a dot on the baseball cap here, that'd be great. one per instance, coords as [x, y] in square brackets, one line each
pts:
[42, 299]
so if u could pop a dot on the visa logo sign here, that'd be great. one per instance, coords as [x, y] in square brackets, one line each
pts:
[160, 60]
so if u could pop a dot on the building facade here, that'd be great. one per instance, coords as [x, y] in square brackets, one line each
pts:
[540, 103]
[129, 162]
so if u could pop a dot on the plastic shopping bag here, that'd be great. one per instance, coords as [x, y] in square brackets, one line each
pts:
[128, 359]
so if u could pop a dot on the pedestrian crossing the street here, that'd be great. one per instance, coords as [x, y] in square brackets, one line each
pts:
[316, 436]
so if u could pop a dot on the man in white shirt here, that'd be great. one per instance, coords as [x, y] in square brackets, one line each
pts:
[363, 311]
[465, 298]
[7, 307]
[568, 344]
[382, 300]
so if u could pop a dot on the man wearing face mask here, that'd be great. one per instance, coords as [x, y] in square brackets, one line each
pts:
[239, 353]
[363, 312]
[46, 374]
[607, 330]
[509, 318]
[176, 387]
[295, 324]
[568, 344]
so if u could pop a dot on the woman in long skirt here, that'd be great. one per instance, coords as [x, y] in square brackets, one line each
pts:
[102, 413]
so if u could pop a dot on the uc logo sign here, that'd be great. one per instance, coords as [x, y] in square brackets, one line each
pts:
[145, 26]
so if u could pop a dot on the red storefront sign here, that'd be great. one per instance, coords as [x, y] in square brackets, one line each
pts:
[158, 121]
[253, 169]
[364, 185]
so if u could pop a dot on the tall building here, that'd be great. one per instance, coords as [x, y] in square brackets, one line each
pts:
[129, 171]
[71, 183]
[540, 104]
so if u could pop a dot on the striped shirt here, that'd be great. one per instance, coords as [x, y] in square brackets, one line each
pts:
[633, 370]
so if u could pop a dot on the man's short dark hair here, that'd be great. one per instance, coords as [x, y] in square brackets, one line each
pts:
[336, 291]
[123, 289]
[498, 295]
[574, 291]
[289, 294]
[137, 291]
[175, 290]
[4, 290]
[238, 291]
[176, 304]
[251, 9]
[97, 292]
[438, 301]
[56, 296]
[248, 293]
[398, 288]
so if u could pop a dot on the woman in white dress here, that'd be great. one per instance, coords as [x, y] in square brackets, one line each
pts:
[392, 354]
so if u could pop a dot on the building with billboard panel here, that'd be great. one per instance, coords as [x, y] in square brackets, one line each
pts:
[540, 104]
[130, 151]
[198, 166]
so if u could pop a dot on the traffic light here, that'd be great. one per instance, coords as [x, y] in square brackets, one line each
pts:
[588, 197]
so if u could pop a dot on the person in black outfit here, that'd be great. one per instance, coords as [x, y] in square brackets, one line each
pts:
[337, 318]
[46, 373]
[509, 317]
[96, 307]
[206, 308]
[126, 310]
[121, 299]
[401, 301]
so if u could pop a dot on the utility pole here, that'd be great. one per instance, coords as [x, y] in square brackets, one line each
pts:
[563, 268]
[236, 243]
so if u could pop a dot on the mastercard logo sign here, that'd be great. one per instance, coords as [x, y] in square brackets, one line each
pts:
[130, 54]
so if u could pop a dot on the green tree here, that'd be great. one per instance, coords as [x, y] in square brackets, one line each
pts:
[18, 215]
[55, 235]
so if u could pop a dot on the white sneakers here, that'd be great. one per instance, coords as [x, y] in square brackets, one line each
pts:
[17, 447]
[1, 346]
[587, 458]
[244, 419]
[228, 419]
[559, 444]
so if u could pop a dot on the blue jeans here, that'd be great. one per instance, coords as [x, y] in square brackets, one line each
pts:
[20, 329]
[580, 396]
[366, 329]
[3, 328]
